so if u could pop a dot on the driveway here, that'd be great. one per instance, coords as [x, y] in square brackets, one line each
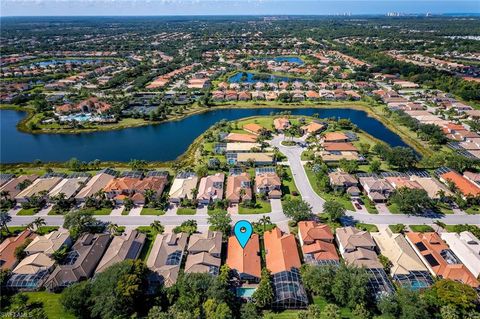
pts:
[45, 210]
[14, 211]
[202, 210]
[232, 209]
[383, 209]
[172, 210]
[117, 210]
[135, 211]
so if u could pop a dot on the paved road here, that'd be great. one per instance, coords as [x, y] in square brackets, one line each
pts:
[308, 194]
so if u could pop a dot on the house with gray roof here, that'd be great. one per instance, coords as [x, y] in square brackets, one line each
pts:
[204, 252]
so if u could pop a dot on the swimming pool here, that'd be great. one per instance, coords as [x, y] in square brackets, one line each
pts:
[245, 292]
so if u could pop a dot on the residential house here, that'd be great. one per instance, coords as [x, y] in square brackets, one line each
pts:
[239, 188]
[120, 188]
[406, 267]
[466, 187]
[335, 137]
[94, 185]
[467, 248]
[269, 184]
[283, 262]
[68, 187]
[49, 243]
[377, 189]
[241, 138]
[253, 128]
[252, 158]
[210, 188]
[432, 186]
[38, 187]
[281, 124]
[80, 262]
[166, 256]
[358, 249]
[241, 147]
[439, 259]
[402, 182]
[30, 273]
[16, 185]
[182, 187]
[312, 128]
[245, 262]
[204, 253]
[125, 246]
[344, 182]
[317, 243]
[7, 249]
[155, 183]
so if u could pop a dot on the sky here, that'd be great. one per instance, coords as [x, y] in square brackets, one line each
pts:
[230, 7]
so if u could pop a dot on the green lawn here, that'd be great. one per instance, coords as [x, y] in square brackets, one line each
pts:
[344, 200]
[46, 229]
[369, 205]
[186, 211]
[393, 208]
[288, 184]
[444, 208]
[27, 212]
[150, 238]
[473, 210]
[51, 304]
[368, 227]
[396, 228]
[475, 230]
[345, 313]
[152, 211]
[262, 207]
[102, 211]
[421, 228]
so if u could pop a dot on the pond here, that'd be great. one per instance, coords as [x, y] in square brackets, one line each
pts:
[248, 77]
[162, 142]
[70, 61]
[280, 59]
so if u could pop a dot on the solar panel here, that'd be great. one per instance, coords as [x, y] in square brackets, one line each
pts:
[157, 173]
[79, 174]
[132, 174]
[235, 171]
[109, 171]
[264, 170]
[55, 174]
[421, 246]
[185, 175]
[431, 260]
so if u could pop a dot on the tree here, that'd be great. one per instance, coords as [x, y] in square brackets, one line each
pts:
[405, 304]
[401, 157]
[128, 203]
[348, 166]
[76, 299]
[411, 200]
[60, 254]
[112, 228]
[220, 220]
[331, 311]
[374, 166]
[350, 286]
[157, 227]
[360, 312]
[188, 226]
[334, 210]
[449, 312]
[20, 250]
[137, 165]
[312, 312]
[74, 164]
[319, 280]
[249, 311]
[215, 310]
[263, 296]
[80, 222]
[39, 222]
[5, 218]
[451, 293]
[297, 209]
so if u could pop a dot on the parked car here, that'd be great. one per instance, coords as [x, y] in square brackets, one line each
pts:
[358, 206]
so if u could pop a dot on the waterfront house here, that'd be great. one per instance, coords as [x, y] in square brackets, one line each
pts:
[377, 189]
[239, 188]
[120, 188]
[241, 147]
[38, 187]
[312, 128]
[69, 186]
[94, 185]
[210, 188]
[204, 253]
[269, 184]
[406, 267]
[125, 246]
[432, 186]
[253, 128]
[155, 181]
[439, 259]
[245, 262]
[335, 137]
[252, 158]
[317, 243]
[466, 247]
[80, 262]
[16, 185]
[241, 138]
[49, 243]
[283, 262]
[466, 187]
[166, 256]
[8, 246]
[281, 124]
[182, 187]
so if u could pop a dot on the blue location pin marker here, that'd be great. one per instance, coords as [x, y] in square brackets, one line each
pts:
[243, 230]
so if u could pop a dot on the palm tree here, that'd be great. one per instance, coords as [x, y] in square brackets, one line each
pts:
[112, 228]
[5, 218]
[39, 222]
[265, 220]
[157, 227]
[4, 194]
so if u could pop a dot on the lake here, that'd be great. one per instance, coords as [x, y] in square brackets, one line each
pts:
[162, 142]
[265, 78]
[280, 59]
